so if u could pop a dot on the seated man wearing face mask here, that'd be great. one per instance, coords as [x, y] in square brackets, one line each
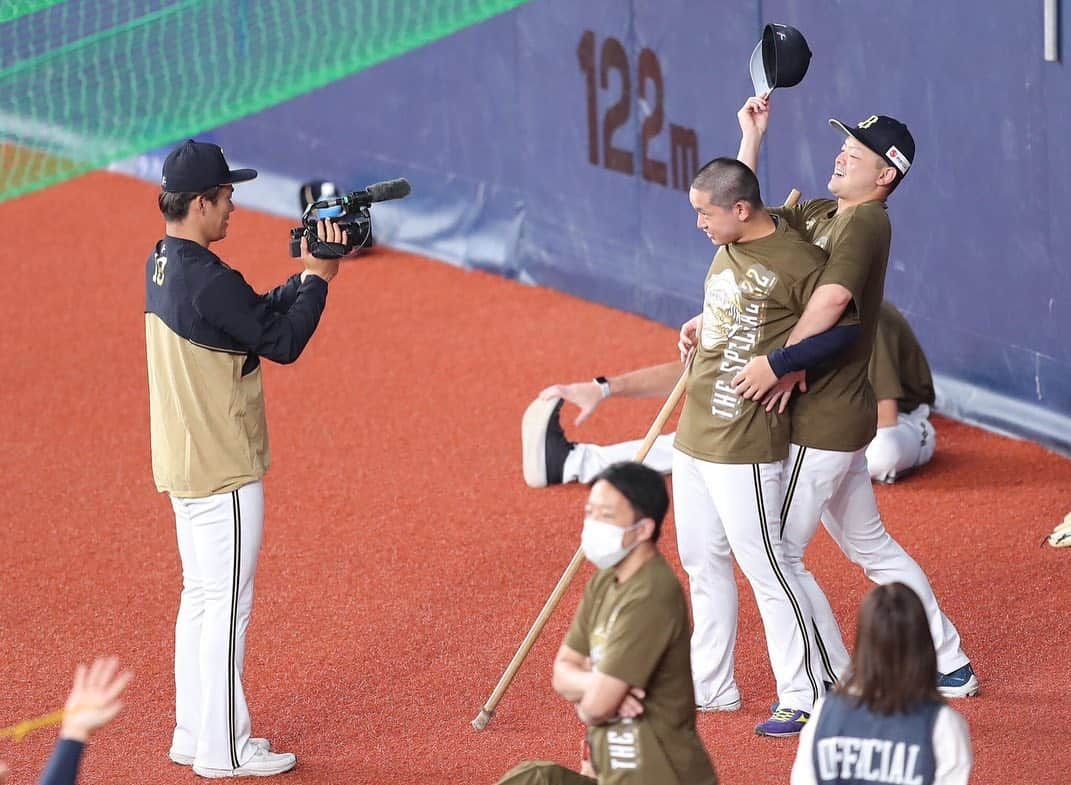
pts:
[625, 663]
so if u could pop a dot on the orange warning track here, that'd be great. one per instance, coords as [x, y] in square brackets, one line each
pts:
[404, 557]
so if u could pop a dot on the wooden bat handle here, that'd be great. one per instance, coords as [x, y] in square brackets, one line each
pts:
[793, 198]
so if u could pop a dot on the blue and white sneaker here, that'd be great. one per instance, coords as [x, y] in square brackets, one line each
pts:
[960, 683]
[783, 722]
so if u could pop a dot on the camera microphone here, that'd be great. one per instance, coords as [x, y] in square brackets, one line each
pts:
[376, 192]
[382, 192]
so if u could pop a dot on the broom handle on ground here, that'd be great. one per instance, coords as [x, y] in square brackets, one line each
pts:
[488, 710]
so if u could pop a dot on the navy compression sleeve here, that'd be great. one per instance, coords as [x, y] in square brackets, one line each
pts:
[62, 767]
[811, 351]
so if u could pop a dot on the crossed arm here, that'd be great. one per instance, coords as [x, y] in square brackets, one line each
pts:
[598, 697]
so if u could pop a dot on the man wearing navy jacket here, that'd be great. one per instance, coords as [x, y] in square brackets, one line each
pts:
[205, 332]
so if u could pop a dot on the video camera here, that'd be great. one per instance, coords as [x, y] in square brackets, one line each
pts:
[350, 213]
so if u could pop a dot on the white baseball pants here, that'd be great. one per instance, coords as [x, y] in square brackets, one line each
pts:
[909, 443]
[724, 510]
[835, 487]
[219, 541]
[586, 461]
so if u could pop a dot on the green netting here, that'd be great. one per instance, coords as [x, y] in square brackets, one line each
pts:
[84, 83]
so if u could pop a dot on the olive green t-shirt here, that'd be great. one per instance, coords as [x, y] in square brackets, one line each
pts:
[754, 294]
[898, 368]
[839, 410]
[638, 632]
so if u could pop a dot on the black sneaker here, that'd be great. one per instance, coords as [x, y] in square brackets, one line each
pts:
[544, 447]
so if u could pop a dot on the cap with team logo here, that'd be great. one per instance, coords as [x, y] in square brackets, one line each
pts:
[887, 137]
[194, 167]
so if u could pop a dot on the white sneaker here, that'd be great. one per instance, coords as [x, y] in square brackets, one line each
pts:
[264, 763]
[733, 705]
[187, 760]
[727, 701]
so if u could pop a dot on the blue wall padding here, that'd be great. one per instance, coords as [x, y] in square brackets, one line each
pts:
[491, 127]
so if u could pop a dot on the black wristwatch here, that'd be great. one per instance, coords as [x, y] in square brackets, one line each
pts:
[604, 385]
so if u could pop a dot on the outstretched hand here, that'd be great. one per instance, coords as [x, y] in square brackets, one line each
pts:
[94, 698]
[586, 395]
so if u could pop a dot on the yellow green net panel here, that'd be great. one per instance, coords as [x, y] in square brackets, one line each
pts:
[84, 83]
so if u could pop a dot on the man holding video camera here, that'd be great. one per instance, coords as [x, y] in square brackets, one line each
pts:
[205, 332]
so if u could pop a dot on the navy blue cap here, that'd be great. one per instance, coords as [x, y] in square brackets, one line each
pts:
[195, 167]
[887, 137]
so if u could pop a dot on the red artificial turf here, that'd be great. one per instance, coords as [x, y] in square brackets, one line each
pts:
[404, 558]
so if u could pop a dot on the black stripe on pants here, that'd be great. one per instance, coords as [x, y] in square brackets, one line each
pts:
[790, 491]
[233, 642]
[800, 623]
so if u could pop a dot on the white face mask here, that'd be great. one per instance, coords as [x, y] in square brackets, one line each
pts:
[601, 542]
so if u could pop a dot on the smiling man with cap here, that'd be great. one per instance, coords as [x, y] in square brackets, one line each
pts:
[205, 332]
[835, 419]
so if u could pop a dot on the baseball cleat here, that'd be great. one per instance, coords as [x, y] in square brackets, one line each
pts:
[960, 683]
[544, 447]
[187, 760]
[264, 763]
[783, 722]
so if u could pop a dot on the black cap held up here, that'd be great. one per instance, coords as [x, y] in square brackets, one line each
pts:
[887, 137]
[780, 59]
[194, 167]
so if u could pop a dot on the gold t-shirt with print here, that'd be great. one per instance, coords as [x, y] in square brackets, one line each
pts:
[754, 294]
[638, 631]
[839, 411]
